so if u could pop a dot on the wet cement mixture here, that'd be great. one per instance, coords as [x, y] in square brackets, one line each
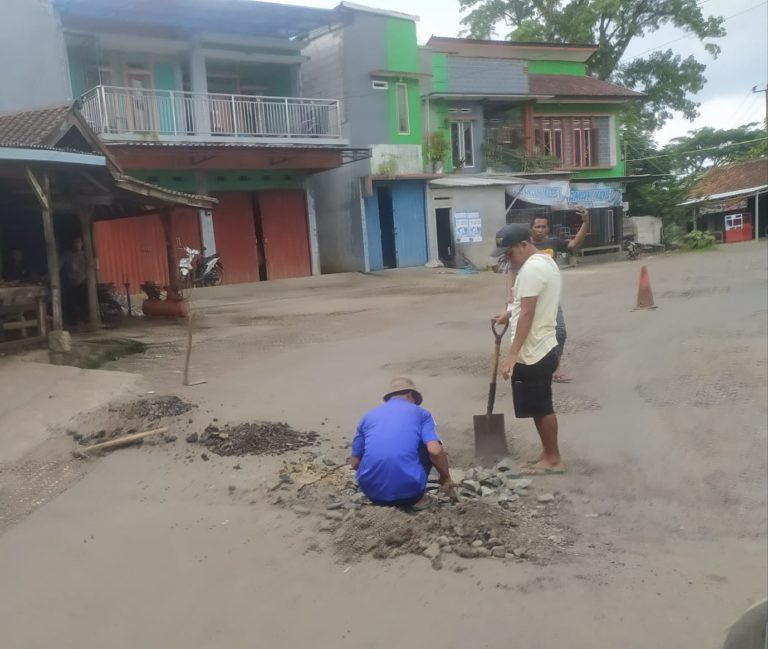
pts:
[497, 516]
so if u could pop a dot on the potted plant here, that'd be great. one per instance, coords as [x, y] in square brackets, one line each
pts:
[437, 150]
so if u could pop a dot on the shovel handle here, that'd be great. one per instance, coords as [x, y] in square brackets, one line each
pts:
[498, 336]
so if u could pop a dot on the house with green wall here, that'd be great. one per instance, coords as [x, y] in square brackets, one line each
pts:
[529, 132]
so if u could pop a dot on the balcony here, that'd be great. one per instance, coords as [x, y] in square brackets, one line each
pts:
[136, 114]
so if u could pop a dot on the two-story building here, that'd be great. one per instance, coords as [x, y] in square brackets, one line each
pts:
[530, 134]
[206, 96]
[373, 211]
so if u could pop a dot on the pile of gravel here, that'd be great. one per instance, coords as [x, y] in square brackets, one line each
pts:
[155, 408]
[257, 438]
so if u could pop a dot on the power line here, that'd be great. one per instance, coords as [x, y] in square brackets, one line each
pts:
[711, 148]
[684, 37]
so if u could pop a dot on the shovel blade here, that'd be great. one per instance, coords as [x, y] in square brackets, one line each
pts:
[490, 436]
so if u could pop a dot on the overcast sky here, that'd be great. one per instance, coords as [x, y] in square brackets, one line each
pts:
[727, 99]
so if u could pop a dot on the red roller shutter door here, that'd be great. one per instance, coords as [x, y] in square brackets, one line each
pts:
[286, 233]
[132, 250]
[235, 234]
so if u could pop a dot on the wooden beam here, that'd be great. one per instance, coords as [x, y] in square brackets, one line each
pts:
[173, 274]
[86, 227]
[42, 188]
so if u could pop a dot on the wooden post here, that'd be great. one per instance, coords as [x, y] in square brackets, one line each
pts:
[173, 275]
[42, 189]
[86, 227]
[529, 139]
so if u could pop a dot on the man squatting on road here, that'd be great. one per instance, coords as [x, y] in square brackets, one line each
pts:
[550, 246]
[532, 357]
[395, 448]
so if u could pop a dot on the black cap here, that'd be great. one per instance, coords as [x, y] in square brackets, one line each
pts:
[510, 235]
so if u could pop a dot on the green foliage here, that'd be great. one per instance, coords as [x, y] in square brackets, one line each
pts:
[438, 148]
[511, 159]
[612, 25]
[388, 167]
[699, 240]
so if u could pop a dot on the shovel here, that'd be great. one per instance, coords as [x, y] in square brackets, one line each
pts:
[490, 433]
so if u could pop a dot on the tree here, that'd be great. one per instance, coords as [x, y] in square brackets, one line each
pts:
[612, 25]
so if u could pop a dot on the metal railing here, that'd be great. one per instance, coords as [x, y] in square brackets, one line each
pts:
[157, 113]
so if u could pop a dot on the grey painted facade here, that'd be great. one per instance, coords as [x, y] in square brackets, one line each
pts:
[337, 196]
[340, 64]
[35, 73]
[488, 201]
[486, 76]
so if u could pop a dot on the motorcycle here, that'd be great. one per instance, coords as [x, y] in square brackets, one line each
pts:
[110, 307]
[196, 270]
[630, 247]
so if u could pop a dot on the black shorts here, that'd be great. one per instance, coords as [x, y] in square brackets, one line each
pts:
[532, 387]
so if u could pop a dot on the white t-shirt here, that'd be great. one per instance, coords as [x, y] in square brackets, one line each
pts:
[538, 277]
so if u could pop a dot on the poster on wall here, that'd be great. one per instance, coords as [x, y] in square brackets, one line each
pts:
[468, 227]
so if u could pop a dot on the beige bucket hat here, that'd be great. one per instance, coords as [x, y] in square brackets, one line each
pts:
[401, 385]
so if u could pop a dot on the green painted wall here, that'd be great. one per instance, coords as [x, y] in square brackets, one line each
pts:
[440, 71]
[402, 48]
[222, 180]
[587, 110]
[76, 72]
[557, 67]
[403, 56]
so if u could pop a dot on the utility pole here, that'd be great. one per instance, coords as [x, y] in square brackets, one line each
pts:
[755, 89]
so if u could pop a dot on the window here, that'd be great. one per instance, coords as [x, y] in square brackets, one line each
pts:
[462, 144]
[380, 85]
[403, 120]
[572, 140]
[734, 222]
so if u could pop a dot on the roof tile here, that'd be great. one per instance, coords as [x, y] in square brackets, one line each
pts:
[32, 127]
[565, 85]
[732, 177]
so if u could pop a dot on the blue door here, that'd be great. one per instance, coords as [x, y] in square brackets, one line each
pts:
[410, 222]
[395, 224]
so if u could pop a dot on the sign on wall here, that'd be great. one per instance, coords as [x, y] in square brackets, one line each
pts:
[468, 227]
[563, 194]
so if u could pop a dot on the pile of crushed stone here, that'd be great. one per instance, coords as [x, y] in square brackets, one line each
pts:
[504, 520]
[257, 438]
[154, 408]
[132, 417]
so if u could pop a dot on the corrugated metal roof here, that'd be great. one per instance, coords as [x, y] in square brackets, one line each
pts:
[480, 181]
[732, 194]
[242, 17]
[32, 127]
[222, 145]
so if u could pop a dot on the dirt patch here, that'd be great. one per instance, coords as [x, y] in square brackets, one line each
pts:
[497, 516]
[571, 404]
[259, 438]
[444, 364]
[729, 388]
[688, 293]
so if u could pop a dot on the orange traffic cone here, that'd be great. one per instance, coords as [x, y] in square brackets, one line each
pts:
[644, 295]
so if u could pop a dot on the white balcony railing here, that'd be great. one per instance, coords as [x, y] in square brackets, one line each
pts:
[136, 113]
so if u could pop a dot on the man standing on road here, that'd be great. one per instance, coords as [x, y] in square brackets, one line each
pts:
[540, 230]
[395, 448]
[532, 357]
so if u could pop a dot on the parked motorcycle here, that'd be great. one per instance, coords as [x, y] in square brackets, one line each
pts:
[630, 247]
[110, 307]
[197, 270]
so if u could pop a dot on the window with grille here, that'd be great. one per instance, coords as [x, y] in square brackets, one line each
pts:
[575, 141]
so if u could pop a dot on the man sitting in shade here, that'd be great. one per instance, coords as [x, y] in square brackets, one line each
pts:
[395, 448]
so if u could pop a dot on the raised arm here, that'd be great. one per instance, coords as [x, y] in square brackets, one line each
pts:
[578, 240]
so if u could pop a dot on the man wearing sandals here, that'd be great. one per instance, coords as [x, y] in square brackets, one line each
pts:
[532, 358]
[395, 448]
